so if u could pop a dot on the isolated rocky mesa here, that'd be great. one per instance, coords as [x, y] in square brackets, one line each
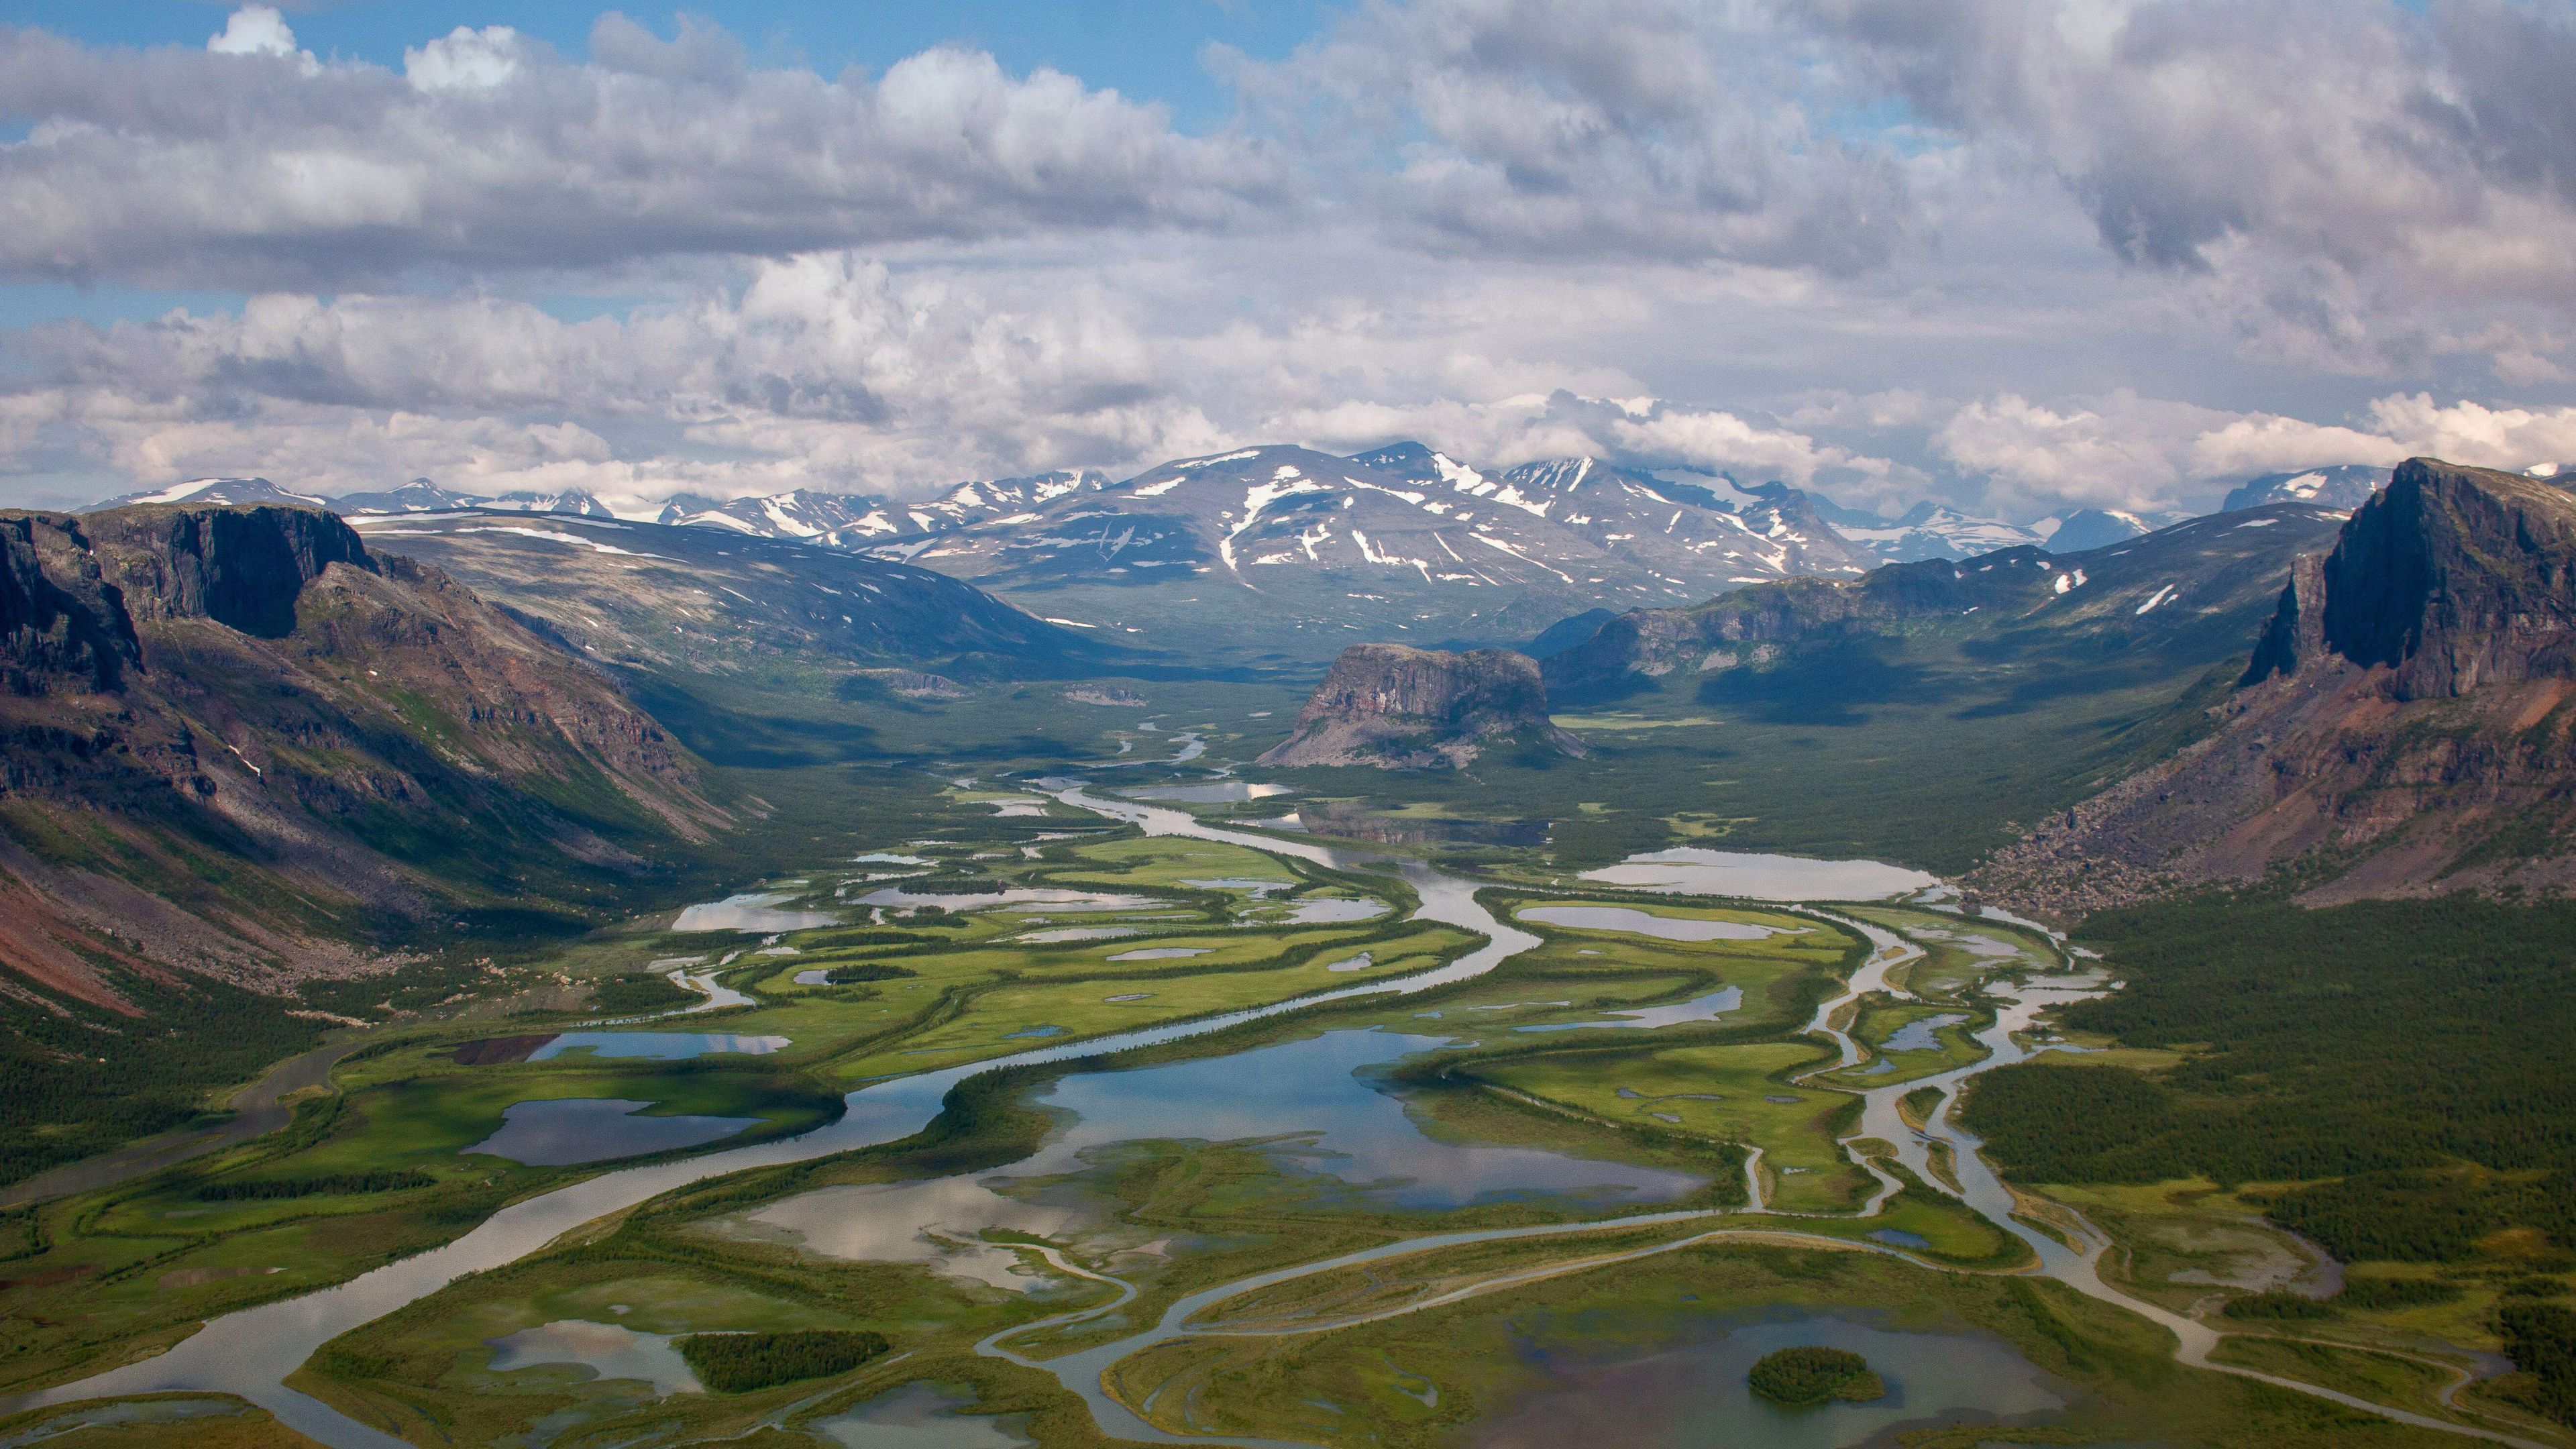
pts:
[1402, 708]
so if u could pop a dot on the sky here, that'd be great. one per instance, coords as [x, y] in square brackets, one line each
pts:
[2015, 255]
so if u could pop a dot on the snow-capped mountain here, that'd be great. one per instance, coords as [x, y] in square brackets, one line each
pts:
[1298, 549]
[2345, 485]
[228, 491]
[422, 496]
[992, 500]
[803, 513]
[1928, 530]
[2080, 529]
[417, 496]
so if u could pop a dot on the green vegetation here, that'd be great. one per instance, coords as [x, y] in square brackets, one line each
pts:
[2540, 1338]
[328, 1184]
[2279, 1305]
[1813, 1375]
[638, 992]
[737, 1363]
[873, 971]
[2364, 1045]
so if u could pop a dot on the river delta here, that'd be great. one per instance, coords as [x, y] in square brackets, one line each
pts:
[1474, 1184]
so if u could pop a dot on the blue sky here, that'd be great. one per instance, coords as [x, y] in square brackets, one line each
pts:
[2021, 255]
[1146, 48]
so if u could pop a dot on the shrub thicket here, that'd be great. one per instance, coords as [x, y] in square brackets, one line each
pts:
[735, 1363]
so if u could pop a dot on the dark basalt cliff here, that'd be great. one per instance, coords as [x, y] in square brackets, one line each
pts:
[2450, 579]
[2403, 727]
[1401, 708]
[234, 741]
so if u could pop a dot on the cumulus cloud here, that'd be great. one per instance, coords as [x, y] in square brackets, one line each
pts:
[246, 166]
[2344, 168]
[2125, 451]
[1635, 130]
[2018, 253]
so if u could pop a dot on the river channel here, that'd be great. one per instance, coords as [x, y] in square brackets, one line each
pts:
[252, 1352]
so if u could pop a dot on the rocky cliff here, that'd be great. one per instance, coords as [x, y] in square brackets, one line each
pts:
[235, 742]
[1399, 708]
[2403, 727]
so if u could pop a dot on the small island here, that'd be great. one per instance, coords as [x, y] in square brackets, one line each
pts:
[1806, 1376]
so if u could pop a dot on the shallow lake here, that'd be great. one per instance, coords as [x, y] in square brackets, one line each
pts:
[1646, 923]
[937, 1223]
[1016, 896]
[560, 1131]
[1220, 793]
[1351, 1129]
[1333, 910]
[1761, 877]
[667, 1046]
[749, 911]
[1695, 1395]
[608, 1350]
[919, 1416]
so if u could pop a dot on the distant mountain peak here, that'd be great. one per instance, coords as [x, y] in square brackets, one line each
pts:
[213, 492]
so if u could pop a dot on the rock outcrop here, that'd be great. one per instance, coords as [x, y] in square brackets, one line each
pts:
[1400, 708]
[234, 741]
[2403, 728]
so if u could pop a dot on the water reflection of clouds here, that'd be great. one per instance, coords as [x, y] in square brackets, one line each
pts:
[1700, 871]
[1340, 1124]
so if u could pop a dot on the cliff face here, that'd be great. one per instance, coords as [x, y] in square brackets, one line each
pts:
[1399, 708]
[231, 738]
[2405, 722]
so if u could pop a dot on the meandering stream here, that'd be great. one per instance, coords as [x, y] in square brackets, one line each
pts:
[252, 1352]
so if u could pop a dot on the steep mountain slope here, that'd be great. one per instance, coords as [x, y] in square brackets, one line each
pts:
[1283, 551]
[1397, 708]
[690, 601]
[239, 741]
[2403, 728]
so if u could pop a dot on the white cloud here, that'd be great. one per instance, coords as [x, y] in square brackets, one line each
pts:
[464, 59]
[260, 30]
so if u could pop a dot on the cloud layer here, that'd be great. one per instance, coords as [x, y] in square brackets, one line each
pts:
[2017, 253]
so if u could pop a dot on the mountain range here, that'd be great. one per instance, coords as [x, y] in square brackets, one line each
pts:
[1281, 553]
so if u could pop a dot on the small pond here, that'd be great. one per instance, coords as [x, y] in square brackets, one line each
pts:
[1697, 871]
[561, 1131]
[608, 1350]
[749, 911]
[1647, 923]
[666, 1046]
[1695, 1395]
[1917, 1036]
